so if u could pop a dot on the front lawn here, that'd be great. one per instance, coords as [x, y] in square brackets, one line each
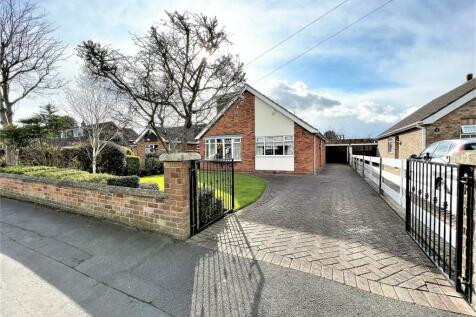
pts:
[247, 188]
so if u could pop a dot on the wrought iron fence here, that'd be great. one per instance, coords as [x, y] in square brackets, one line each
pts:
[439, 216]
[212, 192]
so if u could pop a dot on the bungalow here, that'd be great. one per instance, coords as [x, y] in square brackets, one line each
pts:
[450, 116]
[261, 135]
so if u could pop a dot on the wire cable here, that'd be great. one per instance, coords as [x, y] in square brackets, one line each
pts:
[324, 40]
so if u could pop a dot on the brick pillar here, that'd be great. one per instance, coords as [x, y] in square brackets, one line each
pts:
[177, 192]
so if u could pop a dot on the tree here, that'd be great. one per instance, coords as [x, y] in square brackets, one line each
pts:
[331, 135]
[29, 57]
[180, 70]
[36, 136]
[94, 106]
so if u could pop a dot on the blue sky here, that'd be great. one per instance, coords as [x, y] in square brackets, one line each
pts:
[375, 73]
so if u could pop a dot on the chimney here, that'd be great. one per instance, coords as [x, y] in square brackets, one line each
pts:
[469, 76]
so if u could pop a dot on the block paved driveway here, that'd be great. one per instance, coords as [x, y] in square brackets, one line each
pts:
[335, 226]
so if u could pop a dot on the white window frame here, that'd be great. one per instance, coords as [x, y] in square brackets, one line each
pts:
[151, 148]
[266, 141]
[214, 140]
[464, 135]
[390, 145]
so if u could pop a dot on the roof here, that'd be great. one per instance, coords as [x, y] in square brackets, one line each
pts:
[173, 134]
[431, 108]
[271, 102]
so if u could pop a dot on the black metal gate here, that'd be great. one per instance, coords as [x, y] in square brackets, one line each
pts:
[212, 192]
[439, 216]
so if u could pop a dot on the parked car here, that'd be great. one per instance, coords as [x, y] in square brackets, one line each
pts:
[443, 151]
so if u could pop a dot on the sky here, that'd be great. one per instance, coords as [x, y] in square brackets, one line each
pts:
[357, 83]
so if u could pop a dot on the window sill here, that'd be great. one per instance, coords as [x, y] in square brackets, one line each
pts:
[274, 155]
[220, 159]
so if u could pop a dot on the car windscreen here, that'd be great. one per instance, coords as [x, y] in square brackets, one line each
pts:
[442, 149]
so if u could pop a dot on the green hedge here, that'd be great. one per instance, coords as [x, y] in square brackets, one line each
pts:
[132, 165]
[152, 164]
[124, 181]
[57, 173]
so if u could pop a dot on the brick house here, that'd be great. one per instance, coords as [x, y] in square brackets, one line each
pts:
[148, 142]
[262, 136]
[450, 116]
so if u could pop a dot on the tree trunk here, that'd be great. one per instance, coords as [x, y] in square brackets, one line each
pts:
[93, 162]
[10, 154]
[186, 128]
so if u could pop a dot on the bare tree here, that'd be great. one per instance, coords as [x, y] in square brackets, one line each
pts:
[95, 107]
[180, 70]
[29, 56]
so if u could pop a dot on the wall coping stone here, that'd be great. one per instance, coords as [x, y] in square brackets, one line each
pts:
[85, 185]
[180, 157]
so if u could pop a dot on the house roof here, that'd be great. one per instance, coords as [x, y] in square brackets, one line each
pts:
[173, 134]
[431, 108]
[271, 102]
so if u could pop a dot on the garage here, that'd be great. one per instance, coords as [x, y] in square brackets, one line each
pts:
[336, 154]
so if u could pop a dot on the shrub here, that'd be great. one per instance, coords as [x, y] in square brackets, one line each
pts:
[152, 164]
[58, 173]
[70, 157]
[111, 160]
[209, 206]
[124, 181]
[132, 165]
[151, 186]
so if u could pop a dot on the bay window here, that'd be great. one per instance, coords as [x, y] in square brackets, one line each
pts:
[275, 145]
[223, 148]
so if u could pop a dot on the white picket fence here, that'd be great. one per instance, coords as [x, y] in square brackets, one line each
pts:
[389, 175]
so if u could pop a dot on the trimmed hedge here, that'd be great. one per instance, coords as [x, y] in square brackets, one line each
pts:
[132, 165]
[57, 173]
[124, 181]
[151, 186]
[152, 164]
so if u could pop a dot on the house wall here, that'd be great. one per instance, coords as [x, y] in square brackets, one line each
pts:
[410, 142]
[269, 122]
[139, 149]
[449, 126]
[239, 119]
[303, 150]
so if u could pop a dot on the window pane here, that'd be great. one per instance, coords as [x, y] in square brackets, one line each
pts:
[260, 139]
[219, 151]
[278, 149]
[237, 140]
[278, 139]
[269, 139]
[237, 151]
[288, 138]
[227, 152]
[260, 148]
[288, 148]
[268, 150]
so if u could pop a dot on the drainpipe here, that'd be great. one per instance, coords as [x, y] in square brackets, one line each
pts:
[423, 135]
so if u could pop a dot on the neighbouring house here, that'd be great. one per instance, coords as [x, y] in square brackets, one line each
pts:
[261, 135]
[148, 142]
[450, 116]
[341, 150]
[76, 134]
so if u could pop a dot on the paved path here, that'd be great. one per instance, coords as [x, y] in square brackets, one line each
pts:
[59, 264]
[335, 226]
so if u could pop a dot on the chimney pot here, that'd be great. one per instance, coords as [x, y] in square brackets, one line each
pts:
[469, 76]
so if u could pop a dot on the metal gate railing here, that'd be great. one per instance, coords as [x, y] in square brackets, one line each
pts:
[439, 216]
[212, 192]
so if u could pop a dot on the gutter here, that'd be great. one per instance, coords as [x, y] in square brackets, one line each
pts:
[417, 124]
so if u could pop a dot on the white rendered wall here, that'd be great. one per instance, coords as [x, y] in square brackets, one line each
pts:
[270, 122]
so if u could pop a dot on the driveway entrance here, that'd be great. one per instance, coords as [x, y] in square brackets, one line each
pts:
[335, 226]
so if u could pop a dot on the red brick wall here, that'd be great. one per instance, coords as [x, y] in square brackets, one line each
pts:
[303, 150]
[167, 213]
[238, 119]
